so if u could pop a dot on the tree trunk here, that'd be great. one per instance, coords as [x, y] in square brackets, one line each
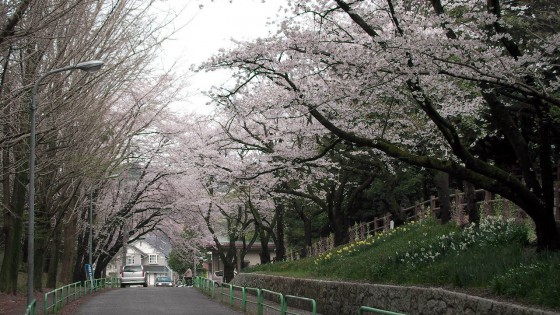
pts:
[39, 258]
[472, 209]
[340, 226]
[265, 252]
[13, 231]
[80, 260]
[103, 260]
[307, 236]
[390, 201]
[548, 237]
[280, 247]
[42, 231]
[69, 251]
[229, 267]
[229, 260]
[307, 227]
[338, 219]
[106, 256]
[53, 261]
[12, 255]
[441, 180]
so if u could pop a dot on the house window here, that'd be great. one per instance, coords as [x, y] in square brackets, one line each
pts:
[130, 260]
[153, 259]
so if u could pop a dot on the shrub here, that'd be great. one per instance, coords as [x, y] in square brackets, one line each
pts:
[537, 281]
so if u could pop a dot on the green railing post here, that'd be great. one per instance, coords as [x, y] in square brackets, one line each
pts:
[231, 295]
[45, 303]
[260, 298]
[60, 300]
[55, 300]
[31, 308]
[76, 290]
[282, 302]
[244, 299]
[281, 297]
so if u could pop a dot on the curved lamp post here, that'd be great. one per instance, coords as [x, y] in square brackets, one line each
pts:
[88, 66]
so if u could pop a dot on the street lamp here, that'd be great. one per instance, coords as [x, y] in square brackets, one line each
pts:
[88, 66]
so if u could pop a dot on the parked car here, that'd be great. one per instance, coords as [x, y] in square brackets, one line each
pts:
[218, 277]
[132, 275]
[163, 282]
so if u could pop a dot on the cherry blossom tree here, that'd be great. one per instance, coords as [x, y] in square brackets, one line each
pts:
[426, 83]
[87, 125]
[216, 193]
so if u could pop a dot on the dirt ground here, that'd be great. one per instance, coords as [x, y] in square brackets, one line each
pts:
[12, 304]
[17, 304]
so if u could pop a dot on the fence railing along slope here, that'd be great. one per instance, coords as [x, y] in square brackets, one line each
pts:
[488, 203]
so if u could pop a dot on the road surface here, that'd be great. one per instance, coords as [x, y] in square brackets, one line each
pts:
[151, 300]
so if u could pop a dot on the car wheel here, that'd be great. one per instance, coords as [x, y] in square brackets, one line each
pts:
[123, 285]
[145, 285]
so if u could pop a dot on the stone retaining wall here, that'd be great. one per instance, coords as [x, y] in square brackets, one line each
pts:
[335, 297]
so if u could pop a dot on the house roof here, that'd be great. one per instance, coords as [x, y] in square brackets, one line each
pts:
[137, 249]
[160, 241]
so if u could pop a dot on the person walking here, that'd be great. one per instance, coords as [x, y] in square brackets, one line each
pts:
[188, 277]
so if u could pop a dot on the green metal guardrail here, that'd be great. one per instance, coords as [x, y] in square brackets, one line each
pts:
[210, 286]
[229, 290]
[293, 297]
[246, 300]
[56, 299]
[367, 309]
[239, 294]
[221, 293]
[62, 296]
[203, 284]
[272, 293]
[233, 296]
[31, 308]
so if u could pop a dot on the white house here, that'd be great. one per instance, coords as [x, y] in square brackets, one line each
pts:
[152, 251]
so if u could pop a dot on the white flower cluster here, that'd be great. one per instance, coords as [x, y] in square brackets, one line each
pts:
[491, 231]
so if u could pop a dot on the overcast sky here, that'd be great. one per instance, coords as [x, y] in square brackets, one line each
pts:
[210, 25]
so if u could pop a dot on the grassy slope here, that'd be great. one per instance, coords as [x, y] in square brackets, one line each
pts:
[494, 259]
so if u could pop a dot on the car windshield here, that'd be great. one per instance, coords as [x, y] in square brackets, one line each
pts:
[132, 268]
[163, 279]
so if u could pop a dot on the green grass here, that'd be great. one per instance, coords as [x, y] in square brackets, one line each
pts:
[493, 257]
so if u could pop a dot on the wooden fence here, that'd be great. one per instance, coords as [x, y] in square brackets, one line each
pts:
[488, 204]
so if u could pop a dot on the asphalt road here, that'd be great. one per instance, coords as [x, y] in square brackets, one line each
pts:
[139, 300]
